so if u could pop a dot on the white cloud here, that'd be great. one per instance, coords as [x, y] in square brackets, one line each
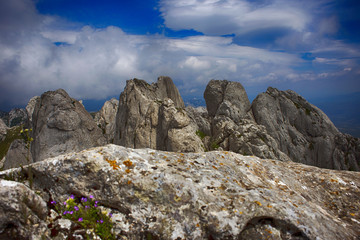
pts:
[95, 63]
[220, 17]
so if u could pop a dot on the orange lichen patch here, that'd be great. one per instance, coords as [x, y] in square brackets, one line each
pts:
[335, 193]
[113, 164]
[294, 205]
[226, 152]
[181, 154]
[333, 180]
[129, 182]
[269, 231]
[214, 167]
[127, 170]
[222, 156]
[352, 214]
[168, 160]
[223, 209]
[258, 203]
[197, 225]
[221, 164]
[269, 206]
[127, 163]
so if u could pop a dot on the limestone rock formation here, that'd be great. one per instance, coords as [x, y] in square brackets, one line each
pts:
[106, 117]
[60, 125]
[304, 132]
[22, 212]
[232, 125]
[214, 195]
[224, 98]
[17, 116]
[17, 155]
[3, 130]
[200, 116]
[153, 116]
[31, 106]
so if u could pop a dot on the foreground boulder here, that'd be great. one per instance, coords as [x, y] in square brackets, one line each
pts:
[214, 195]
[60, 125]
[303, 132]
[153, 116]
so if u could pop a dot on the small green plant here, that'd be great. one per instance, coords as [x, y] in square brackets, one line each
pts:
[214, 145]
[86, 213]
[201, 134]
[25, 134]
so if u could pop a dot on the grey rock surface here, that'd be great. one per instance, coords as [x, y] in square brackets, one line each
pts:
[106, 118]
[3, 130]
[31, 106]
[200, 116]
[304, 132]
[232, 125]
[60, 125]
[17, 155]
[226, 98]
[17, 116]
[214, 195]
[22, 212]
[152, 116]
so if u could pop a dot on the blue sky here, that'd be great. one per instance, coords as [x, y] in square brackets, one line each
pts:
[90, 48]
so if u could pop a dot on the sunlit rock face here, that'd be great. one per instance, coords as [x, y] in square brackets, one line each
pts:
[304, 132]
[153, 116]
[60, 125]
[212, 195]
[232, 125]
[105, 118]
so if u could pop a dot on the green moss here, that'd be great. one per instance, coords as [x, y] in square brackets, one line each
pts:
[201, 134]
[12, 134]
[214, 145]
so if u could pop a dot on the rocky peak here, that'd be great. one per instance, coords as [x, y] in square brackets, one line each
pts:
[31, 106]
[146, 118]
[60, 125]
[303, 131]
[105, 118]
[226, 98]
[167, 89]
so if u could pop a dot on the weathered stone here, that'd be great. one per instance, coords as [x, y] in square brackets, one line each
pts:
[3, 130]
[226, 98]
[152, 116]
[213, 195]
[17, 116]
[22, 213]
[106, 118]
[200, 116]
[17, 155]
[304, 132]
[60, 125]
[31, 106]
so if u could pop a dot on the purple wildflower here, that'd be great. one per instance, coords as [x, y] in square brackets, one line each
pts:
[91, 196]
[76, 208]
[72, 196]
[71, 212]
[65, 212]
[87, 206]
[53, 202]
[110, 214]
[80, 219]
[83, 199]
